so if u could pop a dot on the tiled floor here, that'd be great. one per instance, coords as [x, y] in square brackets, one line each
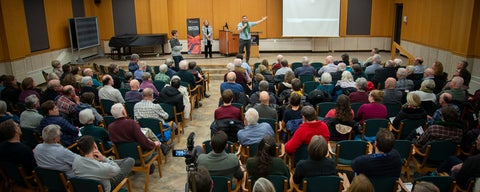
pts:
[174, 171]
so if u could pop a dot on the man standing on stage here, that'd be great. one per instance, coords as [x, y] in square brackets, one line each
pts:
[245, 36]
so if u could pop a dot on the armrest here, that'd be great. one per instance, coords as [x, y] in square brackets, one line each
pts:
[293, 185]
[121, 184]
[346, 182]
[418, 152]
[282, 151]
[402, 185]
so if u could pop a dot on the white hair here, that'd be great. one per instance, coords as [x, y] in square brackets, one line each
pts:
[86, 116]
[117, 110]
[251, 116]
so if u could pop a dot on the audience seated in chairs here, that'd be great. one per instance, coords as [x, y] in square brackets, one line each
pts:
[328, 67]
[326, 83]
[411, 110]
[227, 110]
[231, 84]
[265, 162]
[361, 95]
[392, 95]
[87, 86]
[266, 73]
[218, 162]
[449, 129]
[67, 104]
[147, 83]
[310, 126]
[361, 183]
[12, 150]
[29, 87]
[5, 115]
[403, 83]
[317, 164]
[11, 92]
[264, 108]
[109, 92]
[376, 64]
[31, 118]
[305, 69]
[100, 134]
[52, 116]
[239, 67]
[382, 74]
[384, 162]
[426, 91]
[262, 86]
[142, 67]
[134, 95]
[171, 95]
[239, 77]
[86, 102]
[161, 75]
[444, 100]
[263, 185]
[113, 72]
[455, 89]
[93, 165]
[200, 180]
[253, 132]
[87, 72]
[57, 67]
[147, 109]
[373, 109]
[277, 65]
[337, 75]
[54, 88]
[293, 110]
[51, 155]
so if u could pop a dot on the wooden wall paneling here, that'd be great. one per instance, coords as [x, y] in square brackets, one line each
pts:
[226, 11]
[104, 13]
[255, 10]
[474, 46]
[57, 15]
[462, 13]
[3, 41]
[143, 17]
[16, 32]
[177, 17]
[274, 21]
[159, 16]
[383, 14]
[343, 18]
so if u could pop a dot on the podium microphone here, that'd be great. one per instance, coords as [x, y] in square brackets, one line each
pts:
[226, 25]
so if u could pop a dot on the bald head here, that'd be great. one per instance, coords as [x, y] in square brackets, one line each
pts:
[264, 98]
[428, 72]
[329, 59]
[54, 84]
[107, 80]
[445, 99]
[87, 72]
[231, 76]
[390, 83]
[237, 62]
[279, 58]
[134, 85]
[183, 65]
[147, 94]
[456, 83]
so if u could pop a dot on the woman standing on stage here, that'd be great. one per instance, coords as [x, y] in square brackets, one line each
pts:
[207, 38]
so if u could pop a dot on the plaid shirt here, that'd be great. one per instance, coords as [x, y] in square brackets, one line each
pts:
[440, 132]
[66, 106]
[148, 109]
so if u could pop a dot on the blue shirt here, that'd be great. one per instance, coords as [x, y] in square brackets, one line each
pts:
[253, 134]
[235, 87]
[245, 34]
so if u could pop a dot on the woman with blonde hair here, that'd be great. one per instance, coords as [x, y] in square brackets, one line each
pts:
[361, 183]
[374, 109]
[411, 110]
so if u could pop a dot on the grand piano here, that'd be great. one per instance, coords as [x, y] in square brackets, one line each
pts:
[122, 45]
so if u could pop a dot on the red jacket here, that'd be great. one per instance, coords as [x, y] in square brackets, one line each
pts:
[304, 134]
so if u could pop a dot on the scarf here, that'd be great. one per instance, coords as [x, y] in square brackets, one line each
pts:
[246, 30]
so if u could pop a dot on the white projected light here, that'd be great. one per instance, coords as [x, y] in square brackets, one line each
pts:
[311, 18]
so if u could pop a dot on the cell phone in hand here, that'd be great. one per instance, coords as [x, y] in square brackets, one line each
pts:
[179, 152]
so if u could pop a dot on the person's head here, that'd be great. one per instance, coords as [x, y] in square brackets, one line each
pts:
[237, 62]
[264, 98]
[32, 102]
[345, 58]
[192, 65]
[279, 58]
[343, 110]
[258, 78]
[264, 63]
[361, 84]
[251, 116]
[305, 61]
[413, 100]
[265, 153]
[200, 180]
[428, 72]
[374, 51]
[86, 117]
[456, 83]
[9, 130]
[183, 65]
[56, 64]
[87, 97]
[49, 108]
[289, 76]
[113, 68]
[418, 61]
[398, 62]
[284, 63]
[427, 85]
[86, 144]
[445, 99]
[239, 56]
[163, 68]
[376, 96]
[205, 22]
[410, 69]
[354, 61]
[146, 76]
[341, 67]
[390, 83]
[437, 67]
[384, 140]
[390, 64]
[329, 59]
[377, 59]
[463, 64]
[424, 186]
[244, 18]
[317, 148]
[326, 78]
[231, 76]
[142, 65]
[66, 68]
[402, 73]
[76, 69]
[147, 94]
[296, 85]
[128, 76]
[52, 76]
[263, 185]
[361, 183]
[174, 33]
[449, 114]
[134, 85]
[227, 96]
[263, 85]
[134, 58]
[230, 67]
[118, 111]
[176, 82]
[51, 134]
[107, 80]
[28, 83]
[262, 69]
[86, 81]
[308, 113]
[347, 76]
[295, 99]
[169, 62]
[219, 141]
[69, 91]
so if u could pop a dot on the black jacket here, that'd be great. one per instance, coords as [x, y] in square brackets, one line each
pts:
[172, 96]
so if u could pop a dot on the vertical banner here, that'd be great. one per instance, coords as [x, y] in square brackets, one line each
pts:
[193, 36]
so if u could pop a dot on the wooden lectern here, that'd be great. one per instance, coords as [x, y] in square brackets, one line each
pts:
[228, 42]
